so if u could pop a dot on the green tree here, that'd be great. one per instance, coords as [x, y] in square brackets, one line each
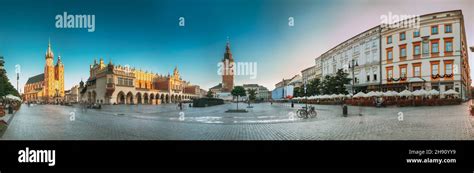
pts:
[326, 85]
[335, 84]
[209, 94]
[298, 92]
[5, 86]
[252, 94]
[238, 92]
[313, 88]
[340, 81]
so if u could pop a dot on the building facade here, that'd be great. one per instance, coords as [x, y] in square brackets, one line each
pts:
[261, 91]
[318, 70]
[47, 87]
[308, 74]
[358, 56]
[433, 56]
[116, 84]
[72, 95]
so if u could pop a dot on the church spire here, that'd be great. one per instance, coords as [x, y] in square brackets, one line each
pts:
[228, 53]
[59, 60]
[49, 52]
[227, 46]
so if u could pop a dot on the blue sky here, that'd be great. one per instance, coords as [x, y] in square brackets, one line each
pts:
[145, 34]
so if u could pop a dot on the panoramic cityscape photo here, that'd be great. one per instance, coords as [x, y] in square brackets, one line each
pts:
[235, 70]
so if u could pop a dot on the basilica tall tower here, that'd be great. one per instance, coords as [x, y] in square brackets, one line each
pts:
[228, 76]
[53, 77]
[49, 74]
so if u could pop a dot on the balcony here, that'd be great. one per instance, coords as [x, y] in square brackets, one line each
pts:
[110, 86]
[109, 89]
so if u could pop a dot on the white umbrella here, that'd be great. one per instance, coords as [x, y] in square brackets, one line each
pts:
[394, 93]
[333, 96]
[378, 93]
[388, 94]
[341, 95]
[451, 92]
[420, 92]
[405, 93]
[12, 97]
[348, 95]
[433, 92]
[416, 93]
[372, 94]
[360, 94]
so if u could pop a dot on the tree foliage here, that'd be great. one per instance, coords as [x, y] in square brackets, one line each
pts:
[252, 94]
[5, 86]
[329, 85]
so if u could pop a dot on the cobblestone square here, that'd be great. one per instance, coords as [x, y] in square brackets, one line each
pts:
[264, 121]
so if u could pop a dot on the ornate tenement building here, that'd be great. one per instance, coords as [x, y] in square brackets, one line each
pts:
[431, 56]
[116, 84]
[47, 87]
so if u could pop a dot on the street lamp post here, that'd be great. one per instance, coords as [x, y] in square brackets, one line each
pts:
[305, 96]
[17, 71]
[354, 64]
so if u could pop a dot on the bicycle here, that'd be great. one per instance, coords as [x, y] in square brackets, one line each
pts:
[306, 113]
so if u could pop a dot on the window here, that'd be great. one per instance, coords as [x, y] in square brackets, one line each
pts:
[403, 71]
[375, 77]
[402, 36]
[416, 34]
[417, 70]
[434, 30]
[389, 54]
[389, 71]
[389, 39]
[426, 48]
[416, 49]
[403, 51]
[120, 81]
[448, 46]
[109, 80]
[434, 69]
[368, 78]
[448, 28]
[448, 68]
[435, 47]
